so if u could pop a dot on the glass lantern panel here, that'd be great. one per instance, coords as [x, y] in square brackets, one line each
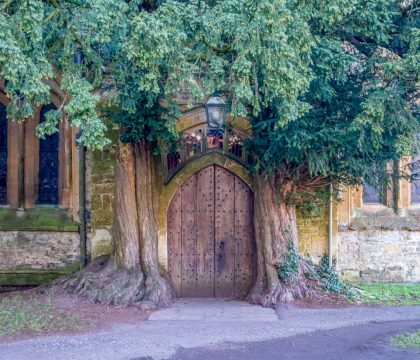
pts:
[216, 112]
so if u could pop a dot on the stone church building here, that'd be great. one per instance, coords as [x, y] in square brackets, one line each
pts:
[56, 203]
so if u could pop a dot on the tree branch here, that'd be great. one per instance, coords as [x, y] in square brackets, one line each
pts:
[54, 3]
[359, 45]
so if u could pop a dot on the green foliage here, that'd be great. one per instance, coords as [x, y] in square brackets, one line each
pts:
[328, 278]
[361, 112]
[19, 315]
[390, 294]
[146, 122]
[330, 88]
[410, 340]
[288, 267]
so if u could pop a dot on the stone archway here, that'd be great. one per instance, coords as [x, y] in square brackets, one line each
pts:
[211, 247]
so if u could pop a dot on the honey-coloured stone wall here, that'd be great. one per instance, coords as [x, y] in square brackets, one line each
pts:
[313, 233]
[100, 186]
[379, 255]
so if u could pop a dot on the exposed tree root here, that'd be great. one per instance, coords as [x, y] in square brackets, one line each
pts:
[274, 290]
[303, 287]
[157, 293]
[282, 275]
[103, 282]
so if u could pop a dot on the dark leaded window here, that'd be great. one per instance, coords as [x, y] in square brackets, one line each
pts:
[371, 195]
[48, 164]
[415, 185]
[3, 155]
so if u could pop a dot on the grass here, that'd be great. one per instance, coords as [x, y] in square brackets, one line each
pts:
[409, 340]
[20, 315]
[390, 294]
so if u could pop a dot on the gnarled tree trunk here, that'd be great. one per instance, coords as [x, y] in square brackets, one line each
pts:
[126, 223]
[275, 226]
[157, 290]
[132, 275]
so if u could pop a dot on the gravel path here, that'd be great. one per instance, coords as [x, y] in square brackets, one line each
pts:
[161, 339]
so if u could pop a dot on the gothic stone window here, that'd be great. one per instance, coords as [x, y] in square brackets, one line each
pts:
[37, 171]
[48, 165]
[3, 155]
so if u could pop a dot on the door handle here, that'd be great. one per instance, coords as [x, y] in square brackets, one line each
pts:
[221, 256]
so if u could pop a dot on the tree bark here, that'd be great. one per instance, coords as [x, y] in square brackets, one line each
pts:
[158, 291]
[275, 226]
[126, 226]
[132, 275]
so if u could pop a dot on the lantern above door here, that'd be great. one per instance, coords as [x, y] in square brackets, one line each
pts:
[216, 113]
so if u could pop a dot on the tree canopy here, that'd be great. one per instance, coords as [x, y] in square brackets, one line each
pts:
[330, 88]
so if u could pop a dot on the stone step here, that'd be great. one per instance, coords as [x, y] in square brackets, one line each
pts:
[213, 310]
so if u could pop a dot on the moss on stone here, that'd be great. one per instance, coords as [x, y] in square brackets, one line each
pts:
[101, 248]
[21, 276]
[36, 219]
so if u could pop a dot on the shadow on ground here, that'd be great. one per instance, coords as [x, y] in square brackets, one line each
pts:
[369, 341]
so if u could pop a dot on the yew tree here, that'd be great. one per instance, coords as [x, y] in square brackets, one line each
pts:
[330, 89]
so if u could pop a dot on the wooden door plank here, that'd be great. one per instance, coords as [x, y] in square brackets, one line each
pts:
[205, 232]
[189, 237]
[224, 233]
[244, 239]
[174, 242]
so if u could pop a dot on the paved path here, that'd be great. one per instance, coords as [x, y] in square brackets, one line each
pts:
[368, 341]
[162, 337]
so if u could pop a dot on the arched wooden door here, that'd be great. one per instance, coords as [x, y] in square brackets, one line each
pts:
[211, 247]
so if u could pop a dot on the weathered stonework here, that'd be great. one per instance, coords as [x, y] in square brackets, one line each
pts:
[32, 257]
[38, 250]
[313, 234]
[376, 243]
[369, 256]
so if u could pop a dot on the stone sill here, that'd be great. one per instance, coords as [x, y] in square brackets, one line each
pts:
[387, 224]
[373, 211]
[37, 219]
[382, 218]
